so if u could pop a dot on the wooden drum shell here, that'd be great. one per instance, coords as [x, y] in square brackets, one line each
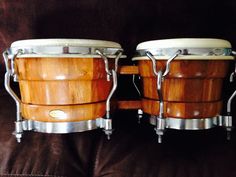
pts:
[192, 89]
[78, 87]
[63, 113]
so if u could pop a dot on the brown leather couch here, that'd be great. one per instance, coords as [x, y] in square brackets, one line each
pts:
[133, 150]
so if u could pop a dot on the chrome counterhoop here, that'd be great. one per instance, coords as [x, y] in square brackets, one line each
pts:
[64, 127]
[187, 124]
[192, 124]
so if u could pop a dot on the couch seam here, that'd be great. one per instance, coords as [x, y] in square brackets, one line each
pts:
[30, 175]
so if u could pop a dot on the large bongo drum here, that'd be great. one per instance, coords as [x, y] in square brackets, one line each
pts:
[182, 82]
[65, 84]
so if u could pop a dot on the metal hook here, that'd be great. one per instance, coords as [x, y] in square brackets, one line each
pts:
[135, 85]
[108, 130]
[160, 121]
[11, 72]
[169, 61]
[159, 82]
[106, 64]
[117, 59]
[104, 57]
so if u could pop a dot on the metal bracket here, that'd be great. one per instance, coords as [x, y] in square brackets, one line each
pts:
[65, 127]
[135, 85]
[160, 127]
[227, 121]
[21, 125]
[108, 129]
[104, 57]
[233, 74]
[140, 115]
[10, 71]
[140, 111]
[160, 121]
[106, 124]
[110, 73]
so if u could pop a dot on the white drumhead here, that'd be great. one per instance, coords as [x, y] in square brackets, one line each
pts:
[185, 43]
[65, 42]
[65, 48]
[190, 49]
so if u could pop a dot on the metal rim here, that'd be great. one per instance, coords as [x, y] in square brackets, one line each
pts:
[64, 47]
[198, 53]
[63, 51]
[61, 127]
[187, 124]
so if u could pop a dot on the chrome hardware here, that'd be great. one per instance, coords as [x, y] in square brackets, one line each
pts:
[114, 77]
[160, 127]
[187, 124]
[227, 120]
[64, 127]
[65, 50]
[160, 121]
[135, 85]
[140, 111]
[110, 73]
[231, 79]
[169, 61]
[188, 51]
[9, 59]
[58, 127]
[108, 129]
[106, 64]
[159, 81]
[192, 124]
[140, 115]
[117, 60]
[228, 124]
[104, 57]
[10, 71]
[229, 102]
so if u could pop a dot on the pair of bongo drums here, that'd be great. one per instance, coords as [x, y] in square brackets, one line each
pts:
[66, 85]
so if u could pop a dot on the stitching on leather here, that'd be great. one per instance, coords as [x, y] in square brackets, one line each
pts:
[30, 175]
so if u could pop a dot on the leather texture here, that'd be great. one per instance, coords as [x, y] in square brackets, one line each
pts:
[133, 150]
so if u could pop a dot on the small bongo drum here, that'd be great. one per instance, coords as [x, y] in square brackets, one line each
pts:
[65, 84]
[182, 82]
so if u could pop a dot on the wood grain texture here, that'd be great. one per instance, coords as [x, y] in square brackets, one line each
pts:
[64, 92]
[188, 90]
[58, 68]
[183, 110]
[128, 70]
[134, 104]
[187, 68]
[192, 89]
[67, 113]
[74, 87]
[61, 81]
